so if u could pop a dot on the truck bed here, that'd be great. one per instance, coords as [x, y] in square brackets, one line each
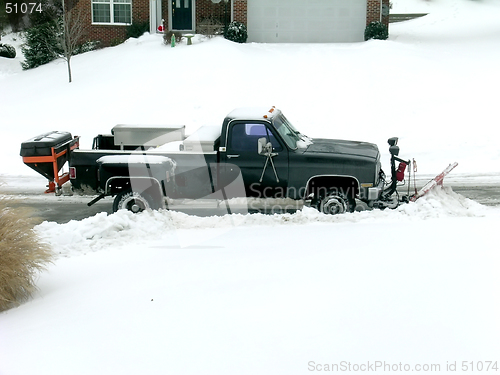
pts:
[195, 172]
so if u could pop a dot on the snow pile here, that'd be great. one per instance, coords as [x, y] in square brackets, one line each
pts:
[443, 202]
[123, 228]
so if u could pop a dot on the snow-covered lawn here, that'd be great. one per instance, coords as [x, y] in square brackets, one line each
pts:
[150, 294]
[166, 293]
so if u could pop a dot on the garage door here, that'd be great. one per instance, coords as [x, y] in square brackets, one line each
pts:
[313, 21]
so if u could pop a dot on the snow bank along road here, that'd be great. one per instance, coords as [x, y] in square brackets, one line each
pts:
[483, 189]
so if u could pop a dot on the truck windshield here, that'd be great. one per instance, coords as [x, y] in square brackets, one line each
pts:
[287, 131]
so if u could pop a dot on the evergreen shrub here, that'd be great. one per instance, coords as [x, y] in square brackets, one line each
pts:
[116, 41]
[40, 40]
[40, 45]
[6, 50]
[137, 29]
[236, 32]
[88, 46]
[376, 30]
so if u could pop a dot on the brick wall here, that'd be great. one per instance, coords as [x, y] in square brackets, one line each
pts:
[373, 11]
[219, 12]
[164, 13]
[206, 8]
[107, 34]
[240, 11]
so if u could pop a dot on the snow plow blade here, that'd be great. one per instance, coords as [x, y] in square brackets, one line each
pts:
[438, 180]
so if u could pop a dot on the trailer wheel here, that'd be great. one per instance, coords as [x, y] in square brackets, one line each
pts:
[134, 202]
[336, 202]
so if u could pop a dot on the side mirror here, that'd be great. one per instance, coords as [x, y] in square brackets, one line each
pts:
[264, 147]
[261, 145]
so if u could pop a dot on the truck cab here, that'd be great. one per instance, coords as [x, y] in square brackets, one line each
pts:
[296, 166]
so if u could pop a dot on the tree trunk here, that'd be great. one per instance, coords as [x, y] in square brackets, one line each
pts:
[69, 69]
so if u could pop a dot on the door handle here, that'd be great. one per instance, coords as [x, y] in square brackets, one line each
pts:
[233, 156]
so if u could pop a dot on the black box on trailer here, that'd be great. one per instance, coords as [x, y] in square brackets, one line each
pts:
[41, 145]
[47, 153]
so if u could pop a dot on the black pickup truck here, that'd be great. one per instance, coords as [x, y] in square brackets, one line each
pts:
[256, 153]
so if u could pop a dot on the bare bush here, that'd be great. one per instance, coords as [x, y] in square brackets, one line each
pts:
[22, 256]
[210, 27]
[167, 37]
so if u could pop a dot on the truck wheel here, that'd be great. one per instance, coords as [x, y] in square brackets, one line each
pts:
[133, 201]
[336, 203]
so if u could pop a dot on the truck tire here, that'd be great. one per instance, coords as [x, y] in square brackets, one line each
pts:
[336, 202]
[134, 202]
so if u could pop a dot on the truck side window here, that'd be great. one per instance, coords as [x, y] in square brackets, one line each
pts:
[244, 137]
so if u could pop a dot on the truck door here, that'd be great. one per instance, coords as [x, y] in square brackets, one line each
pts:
[260, 178]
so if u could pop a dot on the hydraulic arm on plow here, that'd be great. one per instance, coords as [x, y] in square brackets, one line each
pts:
[398, 175]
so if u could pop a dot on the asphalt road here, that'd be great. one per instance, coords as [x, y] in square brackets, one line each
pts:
[65, 208]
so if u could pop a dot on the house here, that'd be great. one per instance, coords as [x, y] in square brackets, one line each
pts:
[271, 21]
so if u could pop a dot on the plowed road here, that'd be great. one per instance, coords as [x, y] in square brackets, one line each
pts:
[65, 208]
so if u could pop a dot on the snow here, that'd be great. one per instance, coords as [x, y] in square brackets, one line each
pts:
[205, 134]
[164, 292]
[124, 227]
[202, 139]
[254, 113]
[134, 159]
[416, 287]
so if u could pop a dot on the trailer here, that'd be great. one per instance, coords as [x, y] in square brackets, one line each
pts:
[47, 154]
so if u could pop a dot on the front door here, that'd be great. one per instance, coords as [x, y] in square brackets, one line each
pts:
[182, 14]
[264, 177]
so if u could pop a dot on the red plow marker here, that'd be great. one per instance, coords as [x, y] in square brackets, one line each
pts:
[438, 180]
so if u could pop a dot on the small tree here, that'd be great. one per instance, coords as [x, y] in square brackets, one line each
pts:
[59, 35]
[69, 36]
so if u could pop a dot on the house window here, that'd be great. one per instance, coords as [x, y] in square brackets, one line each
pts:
[112, 11]
[178, 3]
